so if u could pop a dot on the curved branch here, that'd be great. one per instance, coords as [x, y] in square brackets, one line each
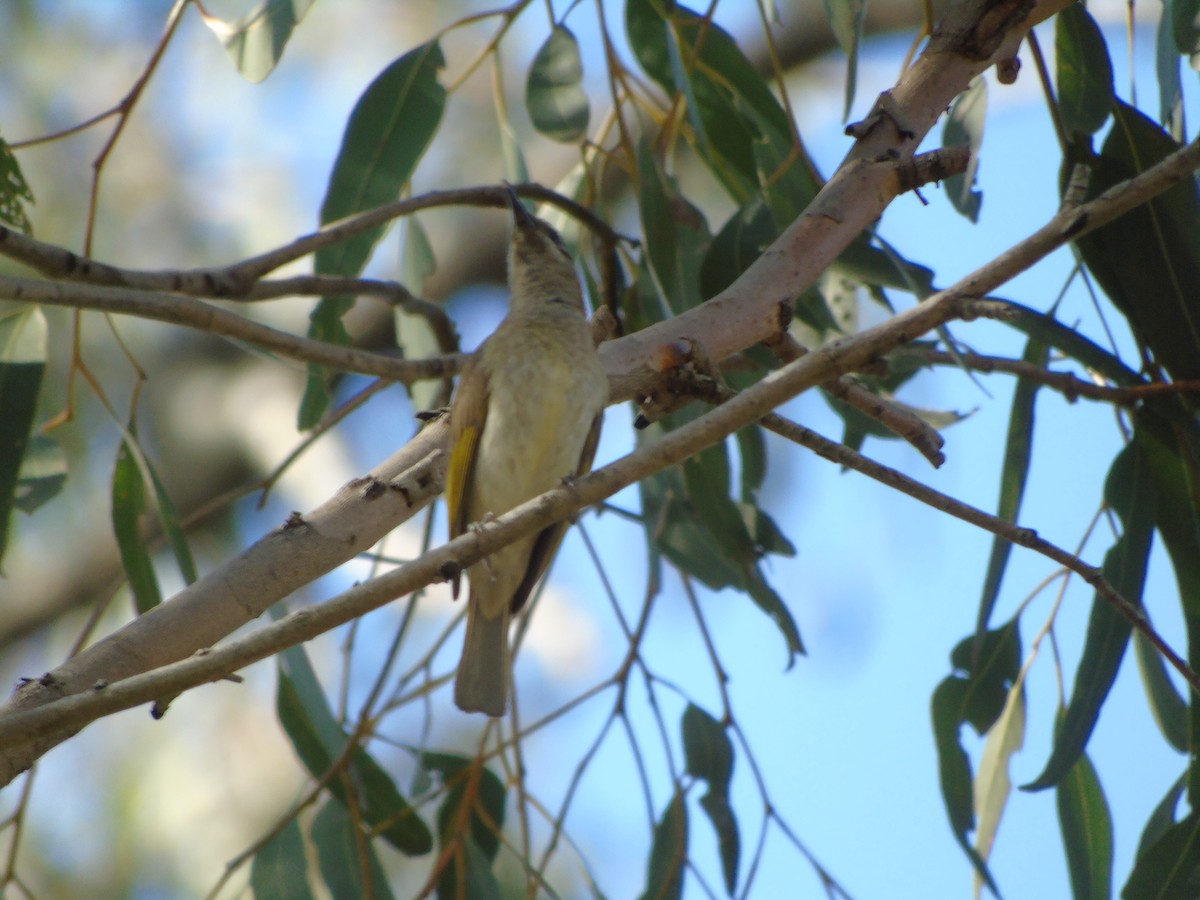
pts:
[197, 314]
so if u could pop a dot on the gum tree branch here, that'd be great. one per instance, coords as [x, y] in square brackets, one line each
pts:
[197, 314]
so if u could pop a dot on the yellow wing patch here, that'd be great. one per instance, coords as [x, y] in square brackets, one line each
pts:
[468, 414]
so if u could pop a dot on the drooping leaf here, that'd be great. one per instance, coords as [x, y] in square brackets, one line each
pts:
[1087, 831]
[1172, 460]
[676, 235]
[1047, 329]
[1085, 75]
[389, 131]
[965, 125]
[22, 365]
[1018, 452]
[342, 850]
[737, 111]
[319, 741]
[469, 822]
[1170, 85]
[1148, 260]
[993, 786]
[975, 693]
[554, 93]
[668, 853]
[848, 18]
[279, 870]
[706, 480]
[43, 473]
[1185, 24]
[1163, 816]
[256, 41]
[414, 334]
[1170, 867]
[1130, 492]
[1166, 705]
[1173, 454]
[752, 452]
[132, 474]
[708, 753]
[128, 508]
[741, 240]
[14, 192]
[691, 519]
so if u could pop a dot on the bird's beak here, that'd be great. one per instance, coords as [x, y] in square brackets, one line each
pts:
[522, 217]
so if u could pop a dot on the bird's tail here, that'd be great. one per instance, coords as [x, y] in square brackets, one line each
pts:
[482, 681]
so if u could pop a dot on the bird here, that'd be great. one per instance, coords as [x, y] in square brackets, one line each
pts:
[526, 416]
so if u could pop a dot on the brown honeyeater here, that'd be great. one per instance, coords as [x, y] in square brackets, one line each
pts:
[526, 416]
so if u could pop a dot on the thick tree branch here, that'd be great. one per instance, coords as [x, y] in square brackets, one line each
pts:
[26, 733]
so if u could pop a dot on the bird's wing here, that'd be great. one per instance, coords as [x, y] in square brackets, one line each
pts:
[467, 416]
[550, 537]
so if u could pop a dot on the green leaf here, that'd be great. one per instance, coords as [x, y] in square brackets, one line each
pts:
[1185, 24]
[1170, 867]
[1171, 463]
[1085, 75]
[690, 517]
[752, 450]
[14, 192]
[1163, 816]
[672, 526]
[389, 131]
[993, 786]
[741, 241]
[554, 91]
[709, 756]
[737, 111]
[255, 42]
[1129, 490]
[1018, 452]
[676, 235]
[765, 534]
[706, 480]
[1046, 328]
[668, 853]
[847, 18]
[478, 878]
[131, 474]
[768, 600]
[1166, 705]
[1170, 85]
[320, 741]
[22, 365]
[469, 782]
[1148, 260]
[128, 507]
[469, 822]
[976, 692]
[168, 517]
[965, 125]
[413, 331]
[279, 869]
[1087, 831]
[341, 850]
[43, 473]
